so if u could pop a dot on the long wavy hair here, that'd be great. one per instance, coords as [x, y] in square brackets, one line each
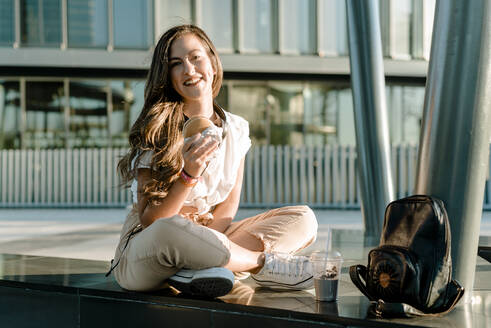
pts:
[159, 126]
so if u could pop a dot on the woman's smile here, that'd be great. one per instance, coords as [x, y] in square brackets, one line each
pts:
[192, 81]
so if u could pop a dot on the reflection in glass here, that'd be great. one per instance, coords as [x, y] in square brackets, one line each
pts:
[45, 127]
[287, 116]
[427, 22]
[40, 22]
[333, 28]
[286, 113]
[406, 107]
[87, 23]
[171, 13]
[101, 113]
[319, 121]
[345, 129]
[222, 98]
[257, 26]
[127, 98]
[132, 24]
[88, 114]
[219, 30]
[6, 22]
[250, 102]
[401, 12]
[413, 112]
[95, 113]
[9, 115]
[298, 26]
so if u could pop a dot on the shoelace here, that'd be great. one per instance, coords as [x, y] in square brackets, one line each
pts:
[289, 265]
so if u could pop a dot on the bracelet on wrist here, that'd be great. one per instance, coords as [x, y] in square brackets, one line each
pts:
[188, 180]
[189, 175]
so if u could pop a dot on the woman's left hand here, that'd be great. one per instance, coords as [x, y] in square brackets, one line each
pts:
[196, 152]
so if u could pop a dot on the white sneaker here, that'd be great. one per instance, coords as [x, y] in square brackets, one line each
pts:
[212, 282]
[284, 271]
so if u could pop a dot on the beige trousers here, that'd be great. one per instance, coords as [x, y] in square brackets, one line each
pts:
[148, 257]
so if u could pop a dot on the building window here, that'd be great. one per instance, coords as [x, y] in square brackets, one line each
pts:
[427, 18]
[406, 109]
[10, 117]
[257, 26]
[133, 24]
[7, 35]
[127, 103]
[45, 124]
[222, 99]
[422, 28]
[40, 22]
[243, 97]
[333, 34]
[400, 28]
[319, 115]
[406, 27]
[216, 17]
[87, 23]
[171, 13]
[88, 122]
[345, 122]
[297, 26]
[100, 113]
[286, 113]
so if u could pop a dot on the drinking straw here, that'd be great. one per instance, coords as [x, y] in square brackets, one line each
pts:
[329, 237]
[328, 246]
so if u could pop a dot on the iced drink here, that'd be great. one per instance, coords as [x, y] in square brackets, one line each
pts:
[327, 268]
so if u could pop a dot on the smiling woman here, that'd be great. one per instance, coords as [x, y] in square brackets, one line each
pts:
[186, 191]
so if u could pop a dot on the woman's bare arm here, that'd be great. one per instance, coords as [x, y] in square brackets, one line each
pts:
[168, 207]
[195, 153]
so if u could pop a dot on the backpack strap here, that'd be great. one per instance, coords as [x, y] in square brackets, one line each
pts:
[454, 293]
[383, 309]
[135, 230]
[357, 273]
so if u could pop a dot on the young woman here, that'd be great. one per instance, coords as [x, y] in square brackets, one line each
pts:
[186, 191]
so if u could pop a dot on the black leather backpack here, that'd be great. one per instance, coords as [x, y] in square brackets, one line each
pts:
[410, 273]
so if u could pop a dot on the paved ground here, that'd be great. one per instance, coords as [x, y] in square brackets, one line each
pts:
[93, 233]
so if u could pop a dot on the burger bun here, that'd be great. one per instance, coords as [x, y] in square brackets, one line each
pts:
[194, 125]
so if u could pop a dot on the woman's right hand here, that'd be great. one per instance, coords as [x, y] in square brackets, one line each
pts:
[196, 152]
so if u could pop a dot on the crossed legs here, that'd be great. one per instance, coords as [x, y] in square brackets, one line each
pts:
[286, 229]
[170, 244]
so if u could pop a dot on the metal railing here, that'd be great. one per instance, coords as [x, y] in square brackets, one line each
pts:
[321, 176]
[61, 178]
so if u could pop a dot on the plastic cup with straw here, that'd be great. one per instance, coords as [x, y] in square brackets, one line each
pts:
[327, 267]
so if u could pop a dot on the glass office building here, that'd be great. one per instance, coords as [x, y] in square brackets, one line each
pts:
[72, 72]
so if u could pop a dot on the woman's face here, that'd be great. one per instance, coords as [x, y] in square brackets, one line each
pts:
[191, 70]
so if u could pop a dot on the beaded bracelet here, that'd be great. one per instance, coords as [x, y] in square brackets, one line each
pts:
[187, 179]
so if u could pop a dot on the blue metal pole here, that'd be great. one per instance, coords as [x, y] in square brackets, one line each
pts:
[454, 143]
[371, 123]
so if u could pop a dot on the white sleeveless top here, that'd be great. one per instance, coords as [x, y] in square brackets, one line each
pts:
[219, 178]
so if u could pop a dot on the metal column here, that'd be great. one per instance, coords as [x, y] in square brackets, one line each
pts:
[371, 123]
[454, 144]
